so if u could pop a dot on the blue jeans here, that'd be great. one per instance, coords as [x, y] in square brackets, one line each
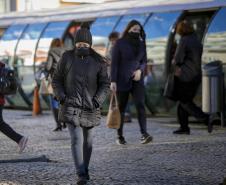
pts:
[81, 147]
[54, 104]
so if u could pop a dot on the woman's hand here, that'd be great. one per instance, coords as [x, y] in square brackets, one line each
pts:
[137, 75]
[113, 87]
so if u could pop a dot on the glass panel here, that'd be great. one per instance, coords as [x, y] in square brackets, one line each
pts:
[127, 18]
[215, 40]
[157, 30]
[53, 30]
[100, 30]
[25, 57]
[9, 41]
[200, 22]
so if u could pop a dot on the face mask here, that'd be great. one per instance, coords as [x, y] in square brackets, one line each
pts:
[134, 35]
[83, 51]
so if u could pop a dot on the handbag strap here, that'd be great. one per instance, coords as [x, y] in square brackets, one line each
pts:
[114, 98]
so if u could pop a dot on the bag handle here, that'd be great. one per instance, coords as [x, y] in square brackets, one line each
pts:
[113, 97]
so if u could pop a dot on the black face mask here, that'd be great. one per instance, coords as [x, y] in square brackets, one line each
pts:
[134, 35]
[83, 51]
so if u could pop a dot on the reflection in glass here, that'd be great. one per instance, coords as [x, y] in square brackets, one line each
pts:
[215, 40]
[199, 22]
[127, 18]
[157, 31]
[25, 56]
[53, 30]
[8, 43]
[100, 30]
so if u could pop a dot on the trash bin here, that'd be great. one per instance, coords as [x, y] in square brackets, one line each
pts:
[212, 87]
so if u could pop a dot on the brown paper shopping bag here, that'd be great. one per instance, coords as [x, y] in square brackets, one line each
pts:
[113, 117]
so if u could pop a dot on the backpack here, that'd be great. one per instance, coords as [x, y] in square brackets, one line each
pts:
[8, 81]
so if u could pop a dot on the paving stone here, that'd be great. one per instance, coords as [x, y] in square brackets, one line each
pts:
[198, 159]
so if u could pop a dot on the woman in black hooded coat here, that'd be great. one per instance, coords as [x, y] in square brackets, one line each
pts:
[129, 59]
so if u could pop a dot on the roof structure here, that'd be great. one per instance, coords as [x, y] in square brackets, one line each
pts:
[91, 11]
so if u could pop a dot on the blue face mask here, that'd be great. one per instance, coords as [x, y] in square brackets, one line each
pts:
[83, 51]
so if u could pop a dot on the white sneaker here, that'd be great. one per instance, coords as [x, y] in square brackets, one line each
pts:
[22, 144]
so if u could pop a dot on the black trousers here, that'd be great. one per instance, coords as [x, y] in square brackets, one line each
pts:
[184, 110]
[138, 95]
[7, 130]
[186, 92]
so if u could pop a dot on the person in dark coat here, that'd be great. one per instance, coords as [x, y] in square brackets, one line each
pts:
[187, 61]
[112, 38]
[69, 38]
[127, 75]
[7, 130]
[54, 55]
[81, 84]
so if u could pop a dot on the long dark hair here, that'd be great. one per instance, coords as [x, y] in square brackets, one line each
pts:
[130, 25]
[184, 28]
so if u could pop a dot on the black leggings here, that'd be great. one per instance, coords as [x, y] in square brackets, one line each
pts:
[138, 95]
[7, 130]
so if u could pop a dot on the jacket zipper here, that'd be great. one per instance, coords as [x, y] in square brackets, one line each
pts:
[83, 84]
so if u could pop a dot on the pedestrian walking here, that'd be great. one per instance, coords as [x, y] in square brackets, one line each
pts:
[54, 55]
[187, 64]
[127, 75]
[112, 38]
[149, 81]
[69, 38]
[7, 130]
[81, 84]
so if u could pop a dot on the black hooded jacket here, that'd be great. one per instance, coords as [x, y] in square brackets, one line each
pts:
[188, 57]
[81, 82]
